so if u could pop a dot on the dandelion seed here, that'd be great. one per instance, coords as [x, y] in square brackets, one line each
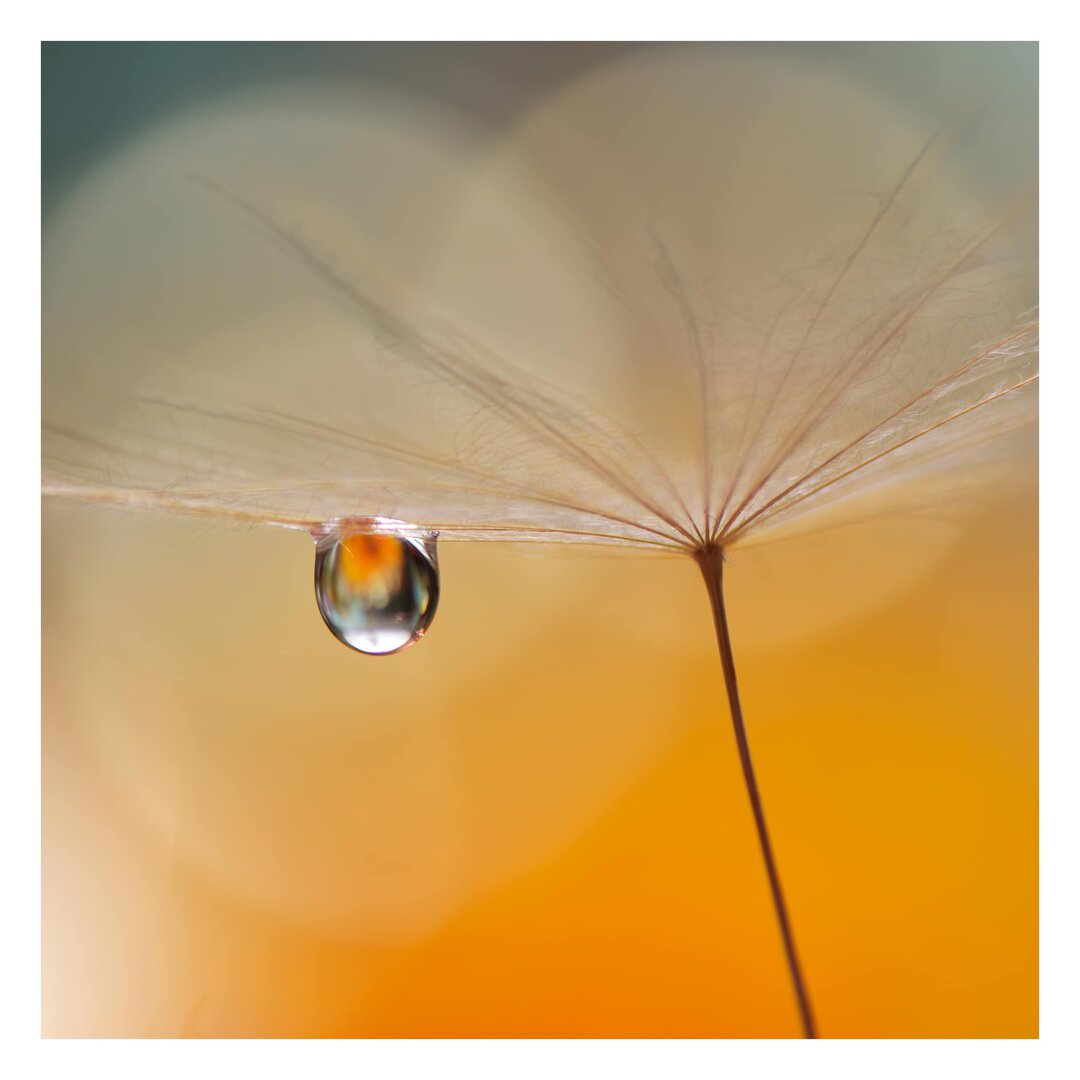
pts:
[807, 304]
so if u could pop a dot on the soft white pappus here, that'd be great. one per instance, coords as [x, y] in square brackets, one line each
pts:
[696, 298]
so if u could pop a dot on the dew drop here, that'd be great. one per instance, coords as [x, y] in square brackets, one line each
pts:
[377, 589]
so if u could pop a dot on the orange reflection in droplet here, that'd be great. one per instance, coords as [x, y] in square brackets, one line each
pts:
[373, 563]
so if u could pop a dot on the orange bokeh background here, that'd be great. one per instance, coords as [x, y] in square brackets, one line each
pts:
[533, 824]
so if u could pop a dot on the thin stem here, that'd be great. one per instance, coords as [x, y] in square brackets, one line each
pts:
[711, 561]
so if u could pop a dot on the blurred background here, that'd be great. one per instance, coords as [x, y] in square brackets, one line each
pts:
[532, 824]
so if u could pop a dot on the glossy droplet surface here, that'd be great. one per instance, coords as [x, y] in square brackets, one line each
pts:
[377, 592]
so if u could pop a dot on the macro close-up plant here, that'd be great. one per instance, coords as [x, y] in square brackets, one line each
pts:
[765, 312]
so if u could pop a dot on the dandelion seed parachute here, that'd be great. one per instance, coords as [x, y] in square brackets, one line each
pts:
[764, 293]
[699, 298]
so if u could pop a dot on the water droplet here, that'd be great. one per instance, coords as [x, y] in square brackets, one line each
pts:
[377, 588]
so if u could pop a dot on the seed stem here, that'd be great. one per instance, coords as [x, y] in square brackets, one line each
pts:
[711, 561]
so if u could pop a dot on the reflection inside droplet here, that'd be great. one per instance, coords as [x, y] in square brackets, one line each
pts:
[376, 590]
